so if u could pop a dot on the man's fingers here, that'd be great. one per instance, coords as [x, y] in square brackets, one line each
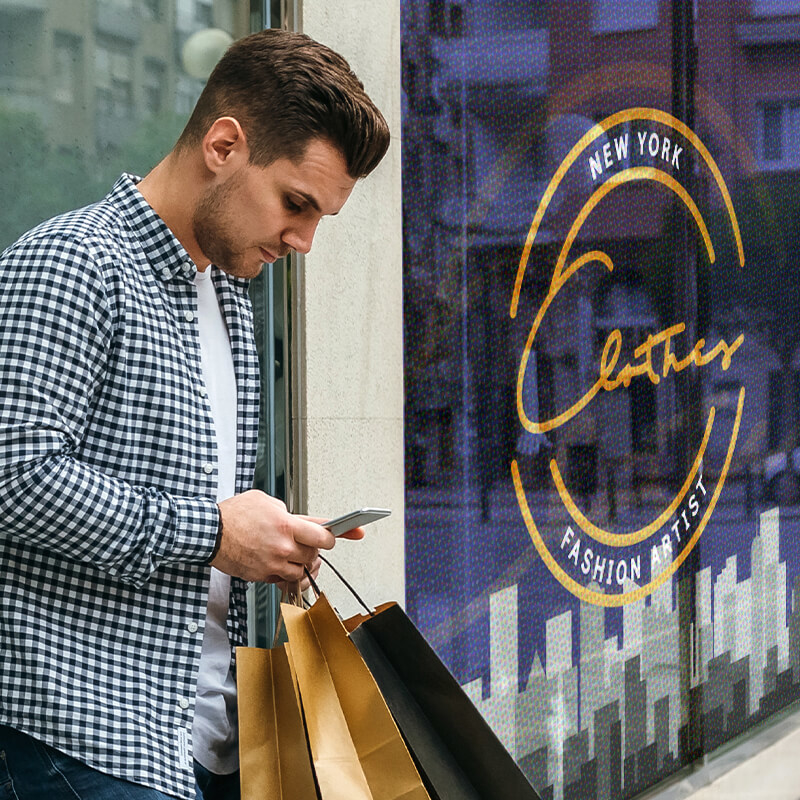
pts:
[305, 584]
[356, 533]
[313, 535]
[292, 572]
[313, 567]
[303, 554]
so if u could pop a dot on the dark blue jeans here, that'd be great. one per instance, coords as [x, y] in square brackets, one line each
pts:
[32, 770]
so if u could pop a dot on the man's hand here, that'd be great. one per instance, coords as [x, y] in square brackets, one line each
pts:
[292, 586]
[262, 541]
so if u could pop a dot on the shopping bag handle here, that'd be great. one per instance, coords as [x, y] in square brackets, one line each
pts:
[295, 597]
[313, 583]
[292, 595]
[342, 579]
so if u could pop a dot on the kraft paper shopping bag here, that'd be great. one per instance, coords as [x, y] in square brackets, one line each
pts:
[275, 761]
[357, 749]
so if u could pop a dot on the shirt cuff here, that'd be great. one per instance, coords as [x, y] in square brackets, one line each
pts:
[196, 526]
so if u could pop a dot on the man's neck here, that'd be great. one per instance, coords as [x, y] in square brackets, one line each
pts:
[172, 190]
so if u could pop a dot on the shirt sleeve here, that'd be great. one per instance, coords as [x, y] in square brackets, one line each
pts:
[56, 328]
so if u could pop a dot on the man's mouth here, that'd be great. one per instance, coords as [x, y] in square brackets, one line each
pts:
[267, 256]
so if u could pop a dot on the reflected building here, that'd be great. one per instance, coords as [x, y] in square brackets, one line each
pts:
[92, 71]
[475, 84]
[496, 94]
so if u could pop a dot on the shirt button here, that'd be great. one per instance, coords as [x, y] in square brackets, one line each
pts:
[183, 703]
[208, 468]
[192, 627]
[166, 273]
[202, 392]
[187, 267]
[189, 316]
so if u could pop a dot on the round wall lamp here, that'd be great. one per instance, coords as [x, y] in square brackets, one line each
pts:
[203, 50]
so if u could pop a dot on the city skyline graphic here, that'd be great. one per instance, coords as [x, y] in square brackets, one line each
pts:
[610, 725]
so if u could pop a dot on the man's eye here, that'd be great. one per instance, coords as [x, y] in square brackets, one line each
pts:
[292, 206]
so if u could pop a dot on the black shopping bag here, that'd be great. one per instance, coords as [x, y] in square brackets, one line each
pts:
[458, 755]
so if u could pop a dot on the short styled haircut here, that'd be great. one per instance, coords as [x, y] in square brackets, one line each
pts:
[286, 89]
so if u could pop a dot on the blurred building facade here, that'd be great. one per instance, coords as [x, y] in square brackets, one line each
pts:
[92, 70]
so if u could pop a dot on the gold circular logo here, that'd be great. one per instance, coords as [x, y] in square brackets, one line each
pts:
[612, 375]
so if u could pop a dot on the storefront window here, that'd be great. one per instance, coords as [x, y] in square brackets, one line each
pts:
[602, 346]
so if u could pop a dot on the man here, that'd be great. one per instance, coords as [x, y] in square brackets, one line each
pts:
[128, 425]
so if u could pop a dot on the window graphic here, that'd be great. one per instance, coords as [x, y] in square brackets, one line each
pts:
[602, 345]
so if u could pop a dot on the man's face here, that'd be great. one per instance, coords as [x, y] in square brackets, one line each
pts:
[258, 214]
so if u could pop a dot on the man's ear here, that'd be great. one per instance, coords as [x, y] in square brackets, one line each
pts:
[224, 146]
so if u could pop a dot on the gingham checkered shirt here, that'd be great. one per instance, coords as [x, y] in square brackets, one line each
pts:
[108, 473]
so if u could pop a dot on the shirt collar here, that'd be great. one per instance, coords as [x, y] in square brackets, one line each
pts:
[165, 253]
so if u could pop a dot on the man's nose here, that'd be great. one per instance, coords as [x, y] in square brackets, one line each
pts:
[300, 238]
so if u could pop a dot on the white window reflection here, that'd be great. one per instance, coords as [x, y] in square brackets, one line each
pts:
[114, 80]
[770, 8]
[153, 86]
[779, 132]
[67, 52]
[613, 16]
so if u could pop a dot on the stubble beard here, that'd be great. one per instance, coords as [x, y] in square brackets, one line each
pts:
[210, 228]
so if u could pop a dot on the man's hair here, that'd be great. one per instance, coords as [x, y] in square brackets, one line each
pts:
[286, 89]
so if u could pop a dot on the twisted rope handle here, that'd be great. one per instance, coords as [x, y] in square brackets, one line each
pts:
[344, 581]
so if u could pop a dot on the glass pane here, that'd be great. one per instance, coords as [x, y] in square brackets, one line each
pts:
[772, 116]
[269, 295]
[748, 560]
[90, 89]
[602, 339]
[765, 8]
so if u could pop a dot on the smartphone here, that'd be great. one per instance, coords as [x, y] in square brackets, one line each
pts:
[355, 519]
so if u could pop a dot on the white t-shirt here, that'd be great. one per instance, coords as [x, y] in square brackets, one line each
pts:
[215, 739]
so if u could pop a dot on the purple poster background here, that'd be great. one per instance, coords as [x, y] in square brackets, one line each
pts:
[696, 226]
